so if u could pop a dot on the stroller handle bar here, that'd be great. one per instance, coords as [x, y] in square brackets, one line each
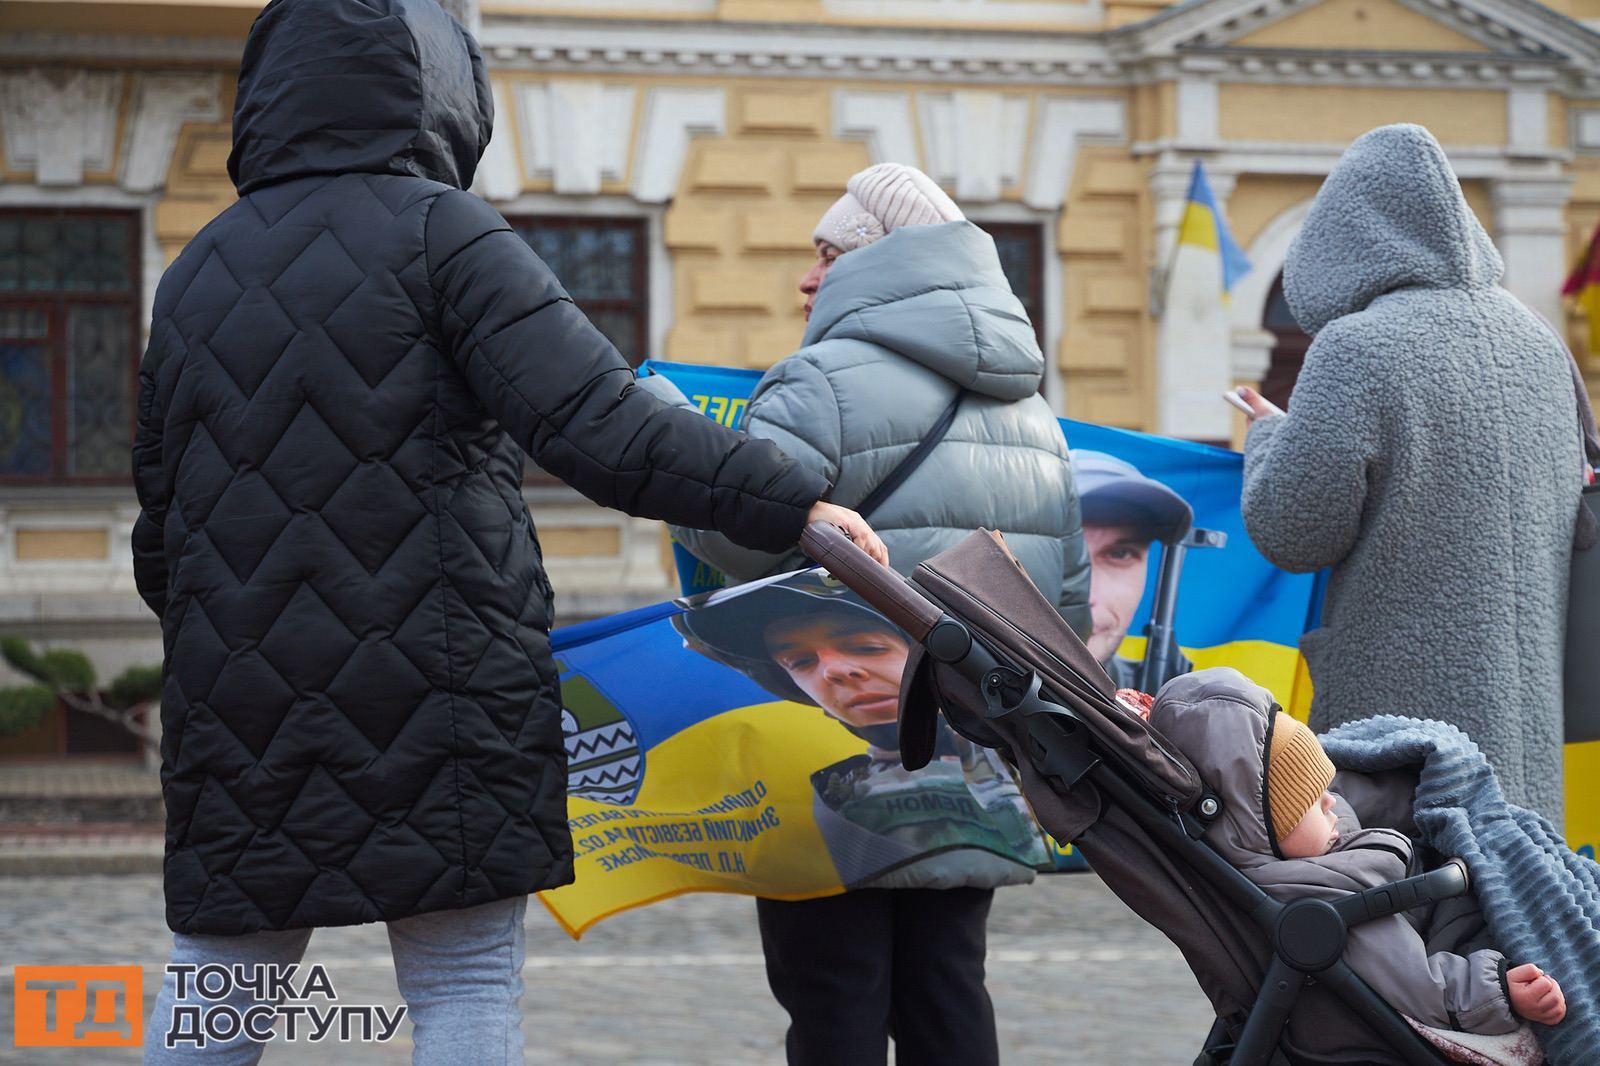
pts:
[891, 594]
[1446, 882]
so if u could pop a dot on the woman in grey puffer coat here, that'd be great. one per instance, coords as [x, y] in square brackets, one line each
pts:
[914, 309]
[1431, 456]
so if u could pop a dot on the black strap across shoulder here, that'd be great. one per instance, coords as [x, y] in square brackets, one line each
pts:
[909, 464]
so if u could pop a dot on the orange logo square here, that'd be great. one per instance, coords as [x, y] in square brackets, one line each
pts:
[78, 1006]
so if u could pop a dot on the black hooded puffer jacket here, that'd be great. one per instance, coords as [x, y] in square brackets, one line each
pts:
[361, 716]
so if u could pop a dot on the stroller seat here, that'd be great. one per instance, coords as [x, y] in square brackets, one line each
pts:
[996, 658]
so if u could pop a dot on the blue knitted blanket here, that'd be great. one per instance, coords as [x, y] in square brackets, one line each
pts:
[1541, 900]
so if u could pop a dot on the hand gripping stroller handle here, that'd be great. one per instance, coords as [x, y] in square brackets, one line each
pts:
[891, 594]
[1446, 882]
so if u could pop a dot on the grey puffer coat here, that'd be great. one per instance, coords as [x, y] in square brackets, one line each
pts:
[1218, 718]
[1431, 457]
[897, 329]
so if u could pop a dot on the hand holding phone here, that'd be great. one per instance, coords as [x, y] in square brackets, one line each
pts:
[1238, 402]
[1251, 403]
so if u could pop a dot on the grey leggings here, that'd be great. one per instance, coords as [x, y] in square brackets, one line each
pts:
[460, 973]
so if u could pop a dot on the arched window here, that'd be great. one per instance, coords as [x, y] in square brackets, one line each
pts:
[1289, 346]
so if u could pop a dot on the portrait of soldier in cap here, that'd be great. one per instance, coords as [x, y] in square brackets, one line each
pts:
[809, 640]
[1124, 513]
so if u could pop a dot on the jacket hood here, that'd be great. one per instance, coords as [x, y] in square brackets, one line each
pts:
[1390, 216]
[936, 295]
[1218, 718]
[359, 86]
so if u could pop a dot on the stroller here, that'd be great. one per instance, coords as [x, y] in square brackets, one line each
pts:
[1008, 673]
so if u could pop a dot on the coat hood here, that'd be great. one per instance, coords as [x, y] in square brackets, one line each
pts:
[359, 86]
[1218, 718]
[936, 295]
[1390, 216]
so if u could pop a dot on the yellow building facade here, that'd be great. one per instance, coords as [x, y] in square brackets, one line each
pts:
[680, 151]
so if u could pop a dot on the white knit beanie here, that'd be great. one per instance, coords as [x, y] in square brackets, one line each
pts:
[880, 199]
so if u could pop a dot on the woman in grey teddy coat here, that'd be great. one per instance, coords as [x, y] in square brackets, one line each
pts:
[1431, 456]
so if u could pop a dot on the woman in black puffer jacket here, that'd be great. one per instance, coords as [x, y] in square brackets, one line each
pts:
[361, 719]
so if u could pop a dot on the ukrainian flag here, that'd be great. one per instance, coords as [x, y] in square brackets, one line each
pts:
[1204, 227]
[1194, 349]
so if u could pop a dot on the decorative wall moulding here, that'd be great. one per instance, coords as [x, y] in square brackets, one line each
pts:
[499, 176]
[575, 133]
[882, 119]
[162, 103]
[59, 123]
[1064, 124]
[975, 141]
[672, 116]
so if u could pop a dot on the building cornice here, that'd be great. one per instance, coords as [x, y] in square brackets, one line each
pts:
[643, 47]
[32, 47]
[1510, 27]
[1338, 67]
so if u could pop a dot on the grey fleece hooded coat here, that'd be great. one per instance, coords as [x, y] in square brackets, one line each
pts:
[896, 329]
[1219, 718]
[1431, 457]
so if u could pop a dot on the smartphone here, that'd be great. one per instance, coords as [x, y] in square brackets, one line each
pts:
[1237, 401]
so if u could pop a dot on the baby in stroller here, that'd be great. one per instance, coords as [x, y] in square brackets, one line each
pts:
[1289, 827]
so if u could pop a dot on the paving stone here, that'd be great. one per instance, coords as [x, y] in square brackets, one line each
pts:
[1075, 977]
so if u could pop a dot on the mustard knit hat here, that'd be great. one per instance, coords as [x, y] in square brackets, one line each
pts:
[1298, 773]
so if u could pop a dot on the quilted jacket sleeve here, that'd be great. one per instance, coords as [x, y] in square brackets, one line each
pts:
[795, 408]
[1073, 603]
[150, 482]
[1305, 473]
[562, 391]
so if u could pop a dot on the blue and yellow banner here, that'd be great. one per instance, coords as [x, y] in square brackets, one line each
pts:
[742, 740]
[746, 741]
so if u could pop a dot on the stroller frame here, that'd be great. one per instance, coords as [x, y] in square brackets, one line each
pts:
[1307, 936]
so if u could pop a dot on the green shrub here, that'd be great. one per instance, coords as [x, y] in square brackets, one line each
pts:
[59, 668]
[134, 686]
[23, 707]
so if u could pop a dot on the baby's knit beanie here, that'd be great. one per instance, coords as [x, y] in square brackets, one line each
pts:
[880, 199]
[1298, 773]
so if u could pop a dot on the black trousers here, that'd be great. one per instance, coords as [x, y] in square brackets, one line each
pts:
[856, 969]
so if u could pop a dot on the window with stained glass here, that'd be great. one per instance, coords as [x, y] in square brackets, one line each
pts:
[603, 264]
[69, 344]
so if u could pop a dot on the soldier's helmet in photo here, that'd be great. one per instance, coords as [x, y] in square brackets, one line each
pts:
[1114, 492]
[733, 630]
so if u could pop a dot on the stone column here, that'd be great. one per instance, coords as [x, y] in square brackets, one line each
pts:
[1531, 231]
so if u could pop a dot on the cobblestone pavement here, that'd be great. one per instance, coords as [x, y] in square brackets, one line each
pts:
[1075, 976]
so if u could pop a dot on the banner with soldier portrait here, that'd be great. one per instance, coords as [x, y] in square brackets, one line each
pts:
[743, 740]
